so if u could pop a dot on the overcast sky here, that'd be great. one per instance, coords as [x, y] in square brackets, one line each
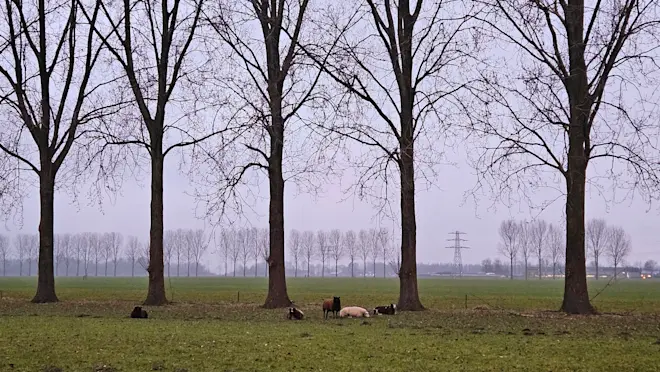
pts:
[440, 210]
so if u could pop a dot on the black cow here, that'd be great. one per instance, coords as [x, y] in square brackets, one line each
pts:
[387, 310]
[138, 313]
[296, 314]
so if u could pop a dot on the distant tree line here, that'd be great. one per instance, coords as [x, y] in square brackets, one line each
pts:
[105, 254]
[237, 246]
[543, 242]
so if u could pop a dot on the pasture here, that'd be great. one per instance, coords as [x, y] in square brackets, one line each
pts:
[216, 324]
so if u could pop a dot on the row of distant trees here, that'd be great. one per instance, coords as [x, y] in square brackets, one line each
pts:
[90, 253]
[239, 245]
[544, 242]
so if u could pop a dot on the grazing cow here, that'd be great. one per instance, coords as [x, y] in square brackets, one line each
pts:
[333, 305]
[296, 314]
[387, 310]
[354, 312]
[138, 313]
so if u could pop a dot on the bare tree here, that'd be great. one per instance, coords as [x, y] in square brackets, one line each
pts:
[245, 240]
[169, 246]
[275, 93]
[237, 242]
[31, 243]
[50, 90]
[383, 238]
[116, 240]
[351, 248]
[364, 244]
[308, 247]
[21, 252]
[226, 242]
[77, 248]
[64, 242]
[264, 242]
[106, 249]
[4, 252]
[95, 246]
[179, 248]
[596, 236]
[375, 246]
[538, 230]
[295, 247]
[510, 234]
[166, 79]
[555, 247]
[409, 82]
[619, 246]
[197, 245]
[336, 247]
[649, 265]
[323, 249]
[133, 252]
[525, 243]
[256, 249]
[579, 94]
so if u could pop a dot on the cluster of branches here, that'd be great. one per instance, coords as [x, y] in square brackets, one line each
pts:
[531, 239]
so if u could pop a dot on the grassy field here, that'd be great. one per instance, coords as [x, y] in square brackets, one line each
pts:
[216, 324]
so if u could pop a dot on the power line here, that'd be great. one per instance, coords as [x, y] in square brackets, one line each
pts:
[458, 260]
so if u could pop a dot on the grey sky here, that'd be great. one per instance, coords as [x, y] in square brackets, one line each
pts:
[438, 213]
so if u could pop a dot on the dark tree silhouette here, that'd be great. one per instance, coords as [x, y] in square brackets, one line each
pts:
[407, 62]
[578, 93]
[273, 87]
[50, 91]
[157, 51]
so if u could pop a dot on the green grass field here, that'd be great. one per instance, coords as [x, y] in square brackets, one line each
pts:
[216, 324]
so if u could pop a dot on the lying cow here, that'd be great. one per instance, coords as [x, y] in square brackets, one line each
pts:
[387, 310]
[296, 314]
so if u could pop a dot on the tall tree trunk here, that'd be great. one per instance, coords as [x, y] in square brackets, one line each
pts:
[133, 268]
[156, 294]
[277, 291]
[178, 266]
[46, 276]
[352, 268]
[364, 268]
[296, 272]
[308, 267]
[408, 291]
[540, 267]
[576, 295]
[554, 270]
[336, 263]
